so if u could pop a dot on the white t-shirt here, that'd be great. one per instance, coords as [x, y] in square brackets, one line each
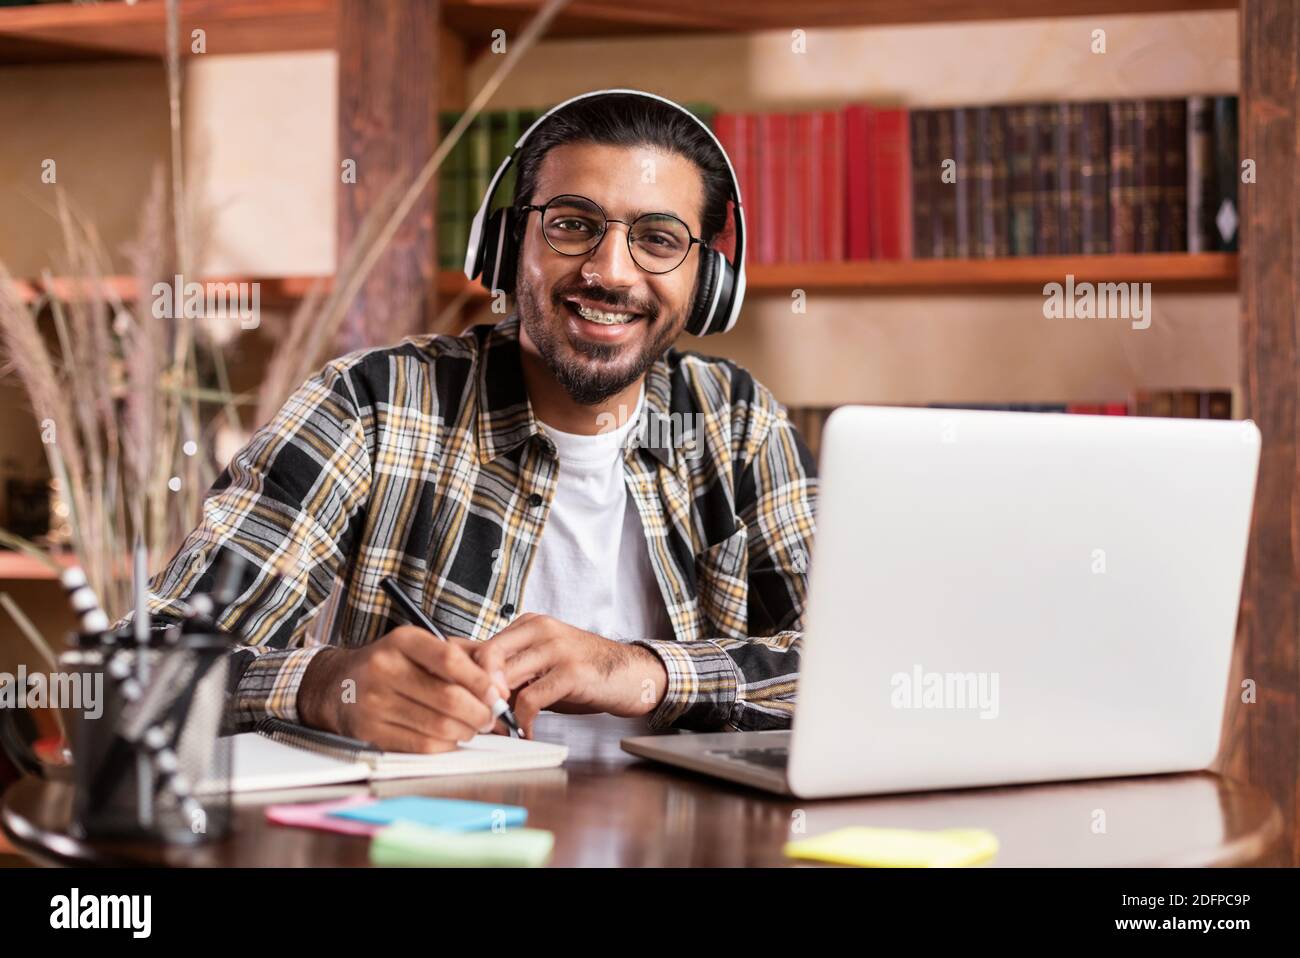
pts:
[592, 568]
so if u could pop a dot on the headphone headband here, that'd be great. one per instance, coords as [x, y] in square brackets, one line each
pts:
[722, 285]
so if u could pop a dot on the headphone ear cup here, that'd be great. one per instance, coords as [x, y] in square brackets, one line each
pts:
[498, 251]
[705, 292]
[713, 300]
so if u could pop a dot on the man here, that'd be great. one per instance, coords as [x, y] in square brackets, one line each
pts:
[601, 523]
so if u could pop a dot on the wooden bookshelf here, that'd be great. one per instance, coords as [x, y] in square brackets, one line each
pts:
[272, 291]
[20, 566]
[66, 32]
[61, 32]
[1184, 271]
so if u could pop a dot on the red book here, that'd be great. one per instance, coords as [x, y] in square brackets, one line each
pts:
[828, 198]
[772, 140]
[1115, 409]
[728, 128]
[892, 229]
[798, 192]
[858, 209]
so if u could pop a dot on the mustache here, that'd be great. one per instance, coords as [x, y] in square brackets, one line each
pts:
[605, 297]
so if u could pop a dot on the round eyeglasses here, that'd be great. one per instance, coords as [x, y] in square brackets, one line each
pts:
[574, 225]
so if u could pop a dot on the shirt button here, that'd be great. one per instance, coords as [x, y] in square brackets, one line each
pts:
[508, 610]
[534, 500]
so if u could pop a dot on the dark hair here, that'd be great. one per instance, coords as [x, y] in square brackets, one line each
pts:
[625, 119]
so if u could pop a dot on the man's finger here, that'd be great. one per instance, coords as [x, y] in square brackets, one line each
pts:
[519, 635]
[446, 660]
[445, 698]
[398, 738]
[549, 689]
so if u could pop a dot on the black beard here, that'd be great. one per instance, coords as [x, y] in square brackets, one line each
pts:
[583, 369]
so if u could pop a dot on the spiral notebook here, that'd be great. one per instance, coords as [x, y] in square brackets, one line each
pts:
[282, 755]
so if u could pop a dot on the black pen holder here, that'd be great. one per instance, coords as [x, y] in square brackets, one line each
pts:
[148, 758]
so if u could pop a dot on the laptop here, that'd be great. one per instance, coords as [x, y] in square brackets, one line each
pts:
[999, 597]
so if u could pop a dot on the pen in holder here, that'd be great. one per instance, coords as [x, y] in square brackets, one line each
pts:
[150, 762]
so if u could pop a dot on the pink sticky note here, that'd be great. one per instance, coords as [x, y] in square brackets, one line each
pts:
[317, 815]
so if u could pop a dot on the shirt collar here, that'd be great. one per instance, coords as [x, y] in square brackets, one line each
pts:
[505, 414]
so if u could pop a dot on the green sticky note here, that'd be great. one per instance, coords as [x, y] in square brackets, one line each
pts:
[405, 844]
[897, 847]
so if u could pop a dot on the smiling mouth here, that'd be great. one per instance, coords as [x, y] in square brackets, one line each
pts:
[601, 317]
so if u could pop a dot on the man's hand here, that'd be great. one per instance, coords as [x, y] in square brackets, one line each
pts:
[408, 691]
[557, 666]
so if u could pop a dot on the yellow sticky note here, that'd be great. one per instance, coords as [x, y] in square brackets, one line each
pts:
[897, 847]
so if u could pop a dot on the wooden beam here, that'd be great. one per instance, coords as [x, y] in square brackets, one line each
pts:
[388, 127]
[1262, 740]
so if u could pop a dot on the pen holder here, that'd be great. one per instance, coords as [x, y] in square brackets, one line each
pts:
[148, 759]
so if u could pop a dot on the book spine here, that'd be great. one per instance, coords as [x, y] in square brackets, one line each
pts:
[1123, 182]
[1094, 220]
[1226, 214]
[1173, 176]
[1069, 167]
[857, 182]
[1200, 175]
[833, 185]
[923, 167]
[726, 127]
[1047, 205]
[1000, 180]
[771, 127]
[794, 246]
[966, 191]
[1147, 164]
[816, 188]
[945, 188]
[982, 243]
[1020, 163]
[893, 185]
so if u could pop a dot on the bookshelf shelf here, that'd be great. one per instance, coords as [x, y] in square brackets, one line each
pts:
[17, 565]
[67, 32]
[62, 32]
[1192, 271]
[273, 290]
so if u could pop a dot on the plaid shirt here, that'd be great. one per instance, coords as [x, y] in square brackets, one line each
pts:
[424, 461]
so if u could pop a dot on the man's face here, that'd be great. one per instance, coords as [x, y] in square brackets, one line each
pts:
[594, 360]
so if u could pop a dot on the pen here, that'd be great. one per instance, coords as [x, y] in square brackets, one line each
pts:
[413, 612]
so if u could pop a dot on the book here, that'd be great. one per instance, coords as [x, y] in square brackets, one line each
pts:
[945, 191]
[1173, 176]
[1122, 176]
[857, 185]
[1200, 175]
[797, 190]
[992, 236]
[1093, 179]
[773, 160]
[1226, 217]
[1147, 167]
[922, 188]
[892, 185]
[1069, 183]
[1047, 199]
[828, 175]
[1021, 158]
[282, 755]
[965, 189]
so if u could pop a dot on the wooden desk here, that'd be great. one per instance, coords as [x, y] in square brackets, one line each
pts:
[608, 808]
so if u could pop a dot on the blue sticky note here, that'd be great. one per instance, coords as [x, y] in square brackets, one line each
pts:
[451, 814]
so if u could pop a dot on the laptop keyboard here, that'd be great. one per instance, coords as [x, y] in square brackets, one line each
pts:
[775, 756]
